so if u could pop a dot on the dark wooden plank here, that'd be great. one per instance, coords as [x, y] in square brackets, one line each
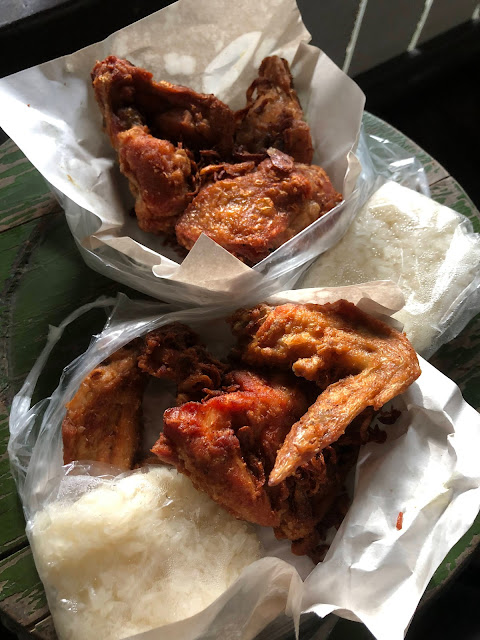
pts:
[44, 630]
[12, 531]
[445, 15]
[386, 31]
[331, 24]
[22, 597]
[24, 194]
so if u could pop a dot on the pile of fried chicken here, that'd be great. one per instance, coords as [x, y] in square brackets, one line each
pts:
[272, 433]
[194, 166]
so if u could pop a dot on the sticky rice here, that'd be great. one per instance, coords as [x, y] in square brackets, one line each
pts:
[135, 554]
[426, 248]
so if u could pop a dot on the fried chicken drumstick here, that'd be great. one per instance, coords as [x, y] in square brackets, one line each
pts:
[104, 419]
[253, 214]
[273, 116]
[357, 360]
[155, 127]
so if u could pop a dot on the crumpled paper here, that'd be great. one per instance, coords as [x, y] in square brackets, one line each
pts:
[374, 571]
[51, 113]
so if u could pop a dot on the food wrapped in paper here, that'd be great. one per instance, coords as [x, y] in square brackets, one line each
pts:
[51, 113]
[383, 555]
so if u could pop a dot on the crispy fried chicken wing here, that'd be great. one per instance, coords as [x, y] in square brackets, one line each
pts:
[155, 127]
[253, 214]
[273, 116]
[104, 420]
[175, 352]
[228, 444]
[358, 360]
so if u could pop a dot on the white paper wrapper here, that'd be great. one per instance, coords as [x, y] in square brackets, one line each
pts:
[427, 470]
[214, 47]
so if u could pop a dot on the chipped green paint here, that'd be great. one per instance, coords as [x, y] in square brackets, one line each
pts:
[44, 630]
[24, 194]
[21, 592]
[457, 553]
[9, 153]
[11, 244]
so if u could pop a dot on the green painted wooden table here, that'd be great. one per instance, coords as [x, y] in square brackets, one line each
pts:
[43, 279]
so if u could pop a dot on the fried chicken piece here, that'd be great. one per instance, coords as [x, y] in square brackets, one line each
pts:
[154, 127]
[316, 497]
[253, 214]
[273, 116]
[160, 178]
[175, 352]
[104, 418]
[227, 444]
[127, 96]
[358, 360]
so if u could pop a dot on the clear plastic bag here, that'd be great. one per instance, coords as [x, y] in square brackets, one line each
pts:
[436, 438]
[429, 250]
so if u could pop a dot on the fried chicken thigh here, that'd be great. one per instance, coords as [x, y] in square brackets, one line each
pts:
[273, 116]
[156, 128]
[227, 444]
[104, 419]
[357, 360]
[252, 214]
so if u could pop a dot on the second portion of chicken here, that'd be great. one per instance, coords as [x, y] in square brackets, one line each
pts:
[253, 214]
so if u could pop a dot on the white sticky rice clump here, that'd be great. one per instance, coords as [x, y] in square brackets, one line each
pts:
[403, 236]
[135, 554]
